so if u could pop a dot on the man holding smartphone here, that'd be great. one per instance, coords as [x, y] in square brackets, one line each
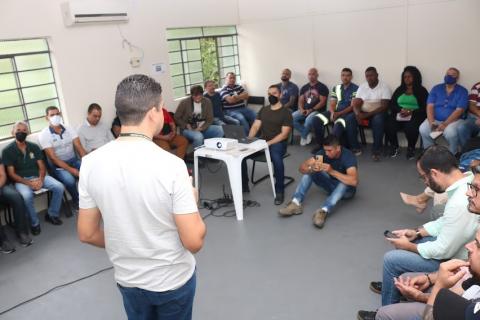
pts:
[151, 225]
[334, 169]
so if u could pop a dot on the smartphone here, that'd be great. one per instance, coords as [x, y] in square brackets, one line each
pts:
[319, 158]
[389, 234]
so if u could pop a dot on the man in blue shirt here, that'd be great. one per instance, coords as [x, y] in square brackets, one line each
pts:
[340, 113]
[334, 169]
[219, 118]
[446, 105]
[289, 91]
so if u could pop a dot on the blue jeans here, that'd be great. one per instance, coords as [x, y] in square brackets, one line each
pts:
[244, 115]
[467, 130]
[9, 195]
[377, 123]
[335, 189]
[68, 180]
[176, 304]
[307, 125]
[398, 262]
[28, 197]
[450, 134]
[196, 137]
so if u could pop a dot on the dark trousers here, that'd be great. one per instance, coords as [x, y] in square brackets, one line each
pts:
[409, 127]
[277, 151]
[10, 196]
[350, 130]
[176, 304]
[377, 123]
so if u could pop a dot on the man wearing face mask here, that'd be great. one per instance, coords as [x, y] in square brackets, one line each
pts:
[62, 145]
[288, 90]
[26, 168]
[274, 122]
[446, 104]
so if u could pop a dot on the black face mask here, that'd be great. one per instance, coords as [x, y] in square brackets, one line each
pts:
[273, 100]
[21, 136]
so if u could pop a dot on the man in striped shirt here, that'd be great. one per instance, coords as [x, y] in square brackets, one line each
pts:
[471, 127]
[233, 98]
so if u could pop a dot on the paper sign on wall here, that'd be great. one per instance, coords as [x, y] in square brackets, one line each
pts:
[158, 68]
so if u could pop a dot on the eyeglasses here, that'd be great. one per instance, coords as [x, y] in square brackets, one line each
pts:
[473, 189]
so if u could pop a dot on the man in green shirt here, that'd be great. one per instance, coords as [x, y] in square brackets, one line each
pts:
[26, 168]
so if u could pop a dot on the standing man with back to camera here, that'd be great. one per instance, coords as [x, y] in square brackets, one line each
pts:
[151, 225]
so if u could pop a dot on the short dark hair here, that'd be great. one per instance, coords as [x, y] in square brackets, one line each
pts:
[371, 69]
[135, 96]
[208, 82]
[331, 141]
[274, 86]
[347, 70]
[196, 90]
[94, 106]
[50, 109]
[438, 158]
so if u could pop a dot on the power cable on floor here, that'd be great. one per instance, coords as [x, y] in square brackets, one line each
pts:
[53, 289]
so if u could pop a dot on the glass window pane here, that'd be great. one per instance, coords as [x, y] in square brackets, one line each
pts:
[176, 69]
[38, 109]
[193, 55]
[39, 93]
[237, 70]
[178, 81]
[225, 41]
[33, 61]
[235, 50]
[6, 65]
[23, 46]
[37, 124]
[9, 98]
[226, 62]
[236, 60]
[193, 44]
[179, 33]
[179, 92]
[235, 40]
[194, 66]
[173, 45]
[196, 78]
[32, 78]
[7, 81]
[215, 31]
[175, 57]
[5, 132]
[229, 69]
[10, 115]
[226, 51]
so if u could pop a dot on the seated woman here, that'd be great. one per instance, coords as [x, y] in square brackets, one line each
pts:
[407, 111]
[274, 123]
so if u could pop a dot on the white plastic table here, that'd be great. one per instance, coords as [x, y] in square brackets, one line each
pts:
[233, 159]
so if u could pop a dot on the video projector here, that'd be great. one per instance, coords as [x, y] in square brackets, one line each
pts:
[220, 143]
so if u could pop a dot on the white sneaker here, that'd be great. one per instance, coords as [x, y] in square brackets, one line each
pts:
[308, 139]
[303, 142]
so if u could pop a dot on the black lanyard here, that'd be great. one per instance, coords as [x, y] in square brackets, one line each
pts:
[133, 134]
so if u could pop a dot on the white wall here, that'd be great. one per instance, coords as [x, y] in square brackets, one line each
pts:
[388, 34]
[90, 60]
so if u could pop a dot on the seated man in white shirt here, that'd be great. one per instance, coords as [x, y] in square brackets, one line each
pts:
[60, 142]
[92, 133]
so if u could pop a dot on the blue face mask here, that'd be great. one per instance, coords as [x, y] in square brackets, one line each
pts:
[448, 79]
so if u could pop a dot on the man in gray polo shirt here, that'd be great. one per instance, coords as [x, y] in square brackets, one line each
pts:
[92, 133]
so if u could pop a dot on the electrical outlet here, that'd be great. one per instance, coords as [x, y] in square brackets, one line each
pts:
[135, 62]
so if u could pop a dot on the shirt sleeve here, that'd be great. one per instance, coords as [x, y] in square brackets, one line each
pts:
[386, 92]
[86, 201]
[295, 90]
[432, 97]
[333, 93]
[73, 132]
[183, 198]
[44, 141]
[304, 89]
[223, 95]
[360, 92]
[323, 90]
[287, 119]
[463, 99]
[37, 152]
[474, 94]
[8, 160]
[259, 114]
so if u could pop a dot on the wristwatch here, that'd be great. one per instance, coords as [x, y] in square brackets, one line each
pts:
[418, 235]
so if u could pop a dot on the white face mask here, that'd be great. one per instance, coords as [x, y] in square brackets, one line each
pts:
[56, 120]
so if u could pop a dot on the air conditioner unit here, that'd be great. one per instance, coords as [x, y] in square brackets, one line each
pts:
[88, 11]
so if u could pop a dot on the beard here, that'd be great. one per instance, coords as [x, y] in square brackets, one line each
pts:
[435, 186]
[284, 78]
[472, 207]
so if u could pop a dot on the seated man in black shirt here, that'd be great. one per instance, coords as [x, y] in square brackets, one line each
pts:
[275, 123]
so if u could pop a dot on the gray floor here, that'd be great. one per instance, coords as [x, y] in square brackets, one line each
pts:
[265, 267]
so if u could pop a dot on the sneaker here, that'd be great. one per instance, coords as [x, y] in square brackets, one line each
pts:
[36, 230]
[53, 220]
[410, 154]
[303, 142]
[366, 315]
[308, 139]
[376, 286]
[394, 152]
[7, 247]
[291, 209]
[24, 239]
[279, 199]
[319, 218]
[357, 152]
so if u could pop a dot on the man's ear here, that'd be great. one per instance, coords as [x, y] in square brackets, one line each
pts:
[434, 173]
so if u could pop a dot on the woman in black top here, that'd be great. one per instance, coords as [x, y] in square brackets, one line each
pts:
[407, 111]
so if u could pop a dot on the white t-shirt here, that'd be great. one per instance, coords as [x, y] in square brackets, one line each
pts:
[372, 97]
[138, 187]
[93, 137]
[62, 143]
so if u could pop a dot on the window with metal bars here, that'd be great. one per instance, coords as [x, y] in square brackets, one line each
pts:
[27, 84]
[201, 53]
